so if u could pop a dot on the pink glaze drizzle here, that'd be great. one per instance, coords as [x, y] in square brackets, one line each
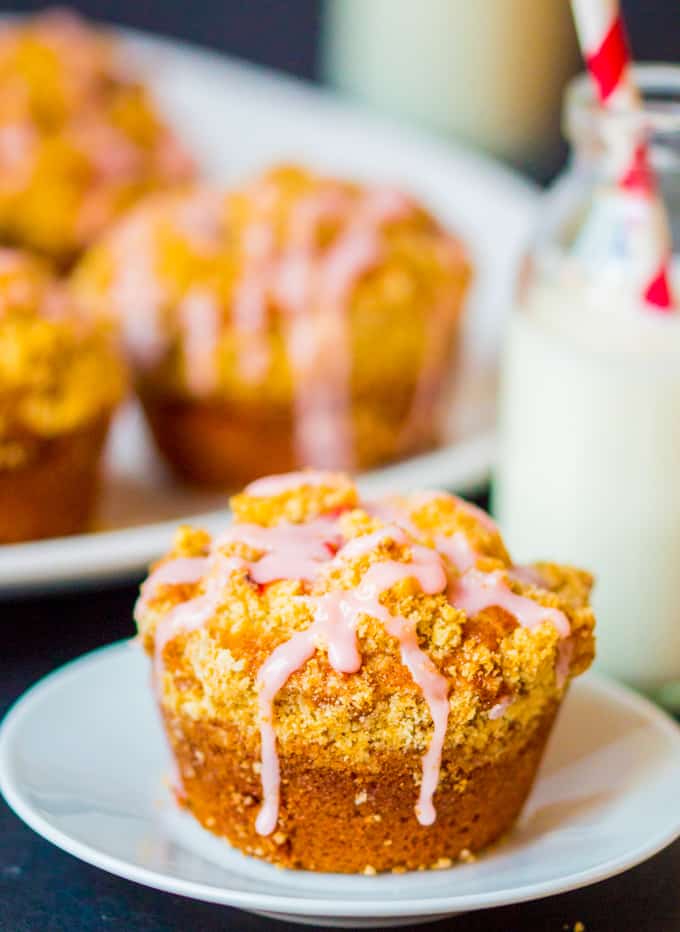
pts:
[312, 288]
[500, 708]
[458, 549]
[360, 546]
[270, 486]
[139, 298]
[335, 621]
[249, 306]
[291, 551]
[193, 614]
[183, 570]
[137, 295]
[18, 146]
[199, 316]
[185, 617]
[432, 495]
[439, 334]
[565, 654]
[475, 591]
[527, 575]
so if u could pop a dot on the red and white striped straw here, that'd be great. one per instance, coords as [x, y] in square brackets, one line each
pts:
[604, 45]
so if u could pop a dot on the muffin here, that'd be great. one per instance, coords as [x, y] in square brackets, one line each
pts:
[60, 379]
[80, 140]
[358, 686]
[297, 320]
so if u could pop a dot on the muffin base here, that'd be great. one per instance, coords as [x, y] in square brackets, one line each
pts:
[352, 821]
[53, 494]
[230, 444]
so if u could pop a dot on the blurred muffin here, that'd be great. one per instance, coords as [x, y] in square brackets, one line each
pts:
[358, 686]
[80, 140]
[296, 320]
[60, 379]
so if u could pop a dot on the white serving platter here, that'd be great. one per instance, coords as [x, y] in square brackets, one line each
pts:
[239, 118]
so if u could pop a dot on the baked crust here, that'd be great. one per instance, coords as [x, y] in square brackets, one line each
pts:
[52, 493]
[352, 820]
[228, 444]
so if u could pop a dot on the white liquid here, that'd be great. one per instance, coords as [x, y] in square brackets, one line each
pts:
[590, 466]
[491, 72]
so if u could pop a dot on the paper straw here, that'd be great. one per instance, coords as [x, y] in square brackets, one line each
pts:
[604, 45]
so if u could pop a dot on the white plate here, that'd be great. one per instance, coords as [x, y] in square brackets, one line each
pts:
[238, 118]
[82, 762]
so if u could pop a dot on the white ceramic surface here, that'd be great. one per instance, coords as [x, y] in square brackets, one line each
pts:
[239, 118]
[82, 761]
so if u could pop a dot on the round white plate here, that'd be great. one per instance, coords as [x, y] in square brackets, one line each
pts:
[239, 118]
[82, 761]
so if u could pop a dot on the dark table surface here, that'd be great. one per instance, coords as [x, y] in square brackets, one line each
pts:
[44, 890]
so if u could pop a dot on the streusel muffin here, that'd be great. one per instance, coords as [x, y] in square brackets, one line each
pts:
[296, 320]
[355, 685]
[60, 379]
[80, 138]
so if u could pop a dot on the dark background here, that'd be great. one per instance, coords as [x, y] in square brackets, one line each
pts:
[283, 33]
[45, 890]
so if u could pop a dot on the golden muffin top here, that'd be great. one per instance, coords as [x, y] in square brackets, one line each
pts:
[290, 278]
[58, 369]
[79, 139]
[352, 625]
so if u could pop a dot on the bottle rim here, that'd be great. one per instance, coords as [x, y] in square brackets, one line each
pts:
[659, 84]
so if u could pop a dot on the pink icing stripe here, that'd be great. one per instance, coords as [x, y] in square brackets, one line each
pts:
[498, 711]
[458, 549]
[478, 514]
[18, 147]
[335, 621]
[199, 316]
[528, 575]
[317, 338]
[172, 573]
[270, 486]
[383, 204]
[360, 546]
[332, 625]
[185, 617]
[137, 295]
[193, 614]
[434, 688]
[475, 591]
[249, 306]
[432, 495]
[565, 654]
[199, 219]
[313, 289]
[292, 551]
[391, 512]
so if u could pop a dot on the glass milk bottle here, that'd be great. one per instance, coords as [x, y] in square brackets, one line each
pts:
[589, 465]
[490, 72]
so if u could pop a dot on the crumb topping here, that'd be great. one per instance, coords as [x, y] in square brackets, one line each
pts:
[58, 371]
[79, 140]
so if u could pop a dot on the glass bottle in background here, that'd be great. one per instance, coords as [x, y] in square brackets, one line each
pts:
[488, 72]
[589, 459]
